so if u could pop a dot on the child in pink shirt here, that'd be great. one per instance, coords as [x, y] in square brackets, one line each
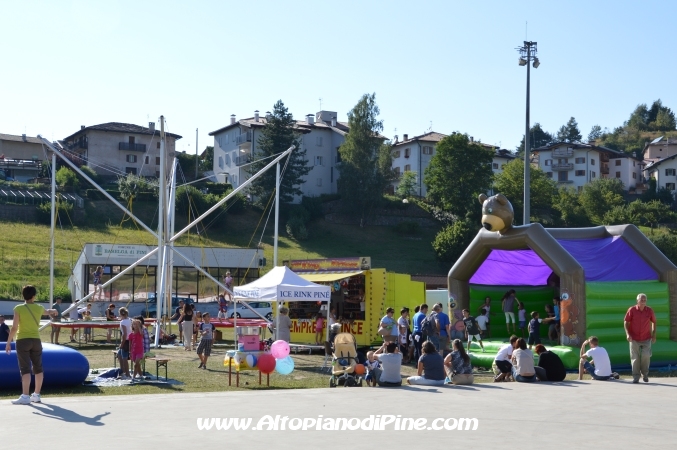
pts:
[136, 348]
[319, 325]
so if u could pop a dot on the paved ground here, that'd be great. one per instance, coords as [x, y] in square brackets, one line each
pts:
[510, 415]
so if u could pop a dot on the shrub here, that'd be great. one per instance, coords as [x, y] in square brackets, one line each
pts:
[90, 173]
[314, 206]
[666, 243]
[296, 229]
[44, 215]
[67, 178]
[452, 240]
[392, 202]
[408, 227]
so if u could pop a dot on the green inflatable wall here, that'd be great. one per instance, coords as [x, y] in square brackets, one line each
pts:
[606, 305]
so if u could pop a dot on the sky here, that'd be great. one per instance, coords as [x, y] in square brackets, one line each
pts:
[441, 65]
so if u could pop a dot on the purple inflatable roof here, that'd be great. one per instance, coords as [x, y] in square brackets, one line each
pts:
[606, 259]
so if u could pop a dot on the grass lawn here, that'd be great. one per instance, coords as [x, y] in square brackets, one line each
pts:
[24, 251]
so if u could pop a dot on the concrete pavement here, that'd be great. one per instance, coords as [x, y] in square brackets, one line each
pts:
[575, 414]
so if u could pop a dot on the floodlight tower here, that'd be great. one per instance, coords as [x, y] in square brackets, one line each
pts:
[527, 54]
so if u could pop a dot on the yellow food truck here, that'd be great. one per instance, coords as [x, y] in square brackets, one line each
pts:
[360, 296]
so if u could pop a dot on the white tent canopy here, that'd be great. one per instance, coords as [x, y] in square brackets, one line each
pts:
[283, 285]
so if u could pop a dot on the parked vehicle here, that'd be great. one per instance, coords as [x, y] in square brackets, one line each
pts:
[151, 308]
[263, 308]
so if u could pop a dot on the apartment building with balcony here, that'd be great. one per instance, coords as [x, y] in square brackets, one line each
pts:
[114, 148]
[572, 165]
[21, 156]
[320, 134]
[414, 155]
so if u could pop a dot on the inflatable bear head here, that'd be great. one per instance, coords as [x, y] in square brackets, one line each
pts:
[497, 213]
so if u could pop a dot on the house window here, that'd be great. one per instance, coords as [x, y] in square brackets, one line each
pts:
[494, 166]
[580, 160]
[670, 186]
[407, 152]
[221, 162]
[548, 174]
[634, 175]
[407, 168]
[669, 172]
[319, 181]
[227, 159]
[580, 173]
[562, 176]
[318, 162]
[146, 160]
[131, 159]
[131, 140]
[396, 170]
[593, 175]
[158, 144]
[618, 162]
[563, 161]
[633, 163]
[618, 174]
[427, 150]
[318, 141]
[548, 162]
[131, 170]
[157, 160]
[592, 162]
[157, 174]
[396, 154]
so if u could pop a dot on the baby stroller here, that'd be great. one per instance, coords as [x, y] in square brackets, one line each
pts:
[344, 359]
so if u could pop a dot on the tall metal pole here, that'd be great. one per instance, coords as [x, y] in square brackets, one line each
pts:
[527, 147]
[277, 212]
[196, 154]
[161, 272]
[51, 245]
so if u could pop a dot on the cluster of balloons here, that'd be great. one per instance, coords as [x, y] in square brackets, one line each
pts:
[278, 359]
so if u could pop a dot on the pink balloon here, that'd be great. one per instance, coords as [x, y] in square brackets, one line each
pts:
[279, 349]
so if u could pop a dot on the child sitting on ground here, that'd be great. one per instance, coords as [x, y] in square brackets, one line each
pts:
[136, 348]
[534, 330]
[372, 365]
[319, 325]
[522, 317]
[204, 349]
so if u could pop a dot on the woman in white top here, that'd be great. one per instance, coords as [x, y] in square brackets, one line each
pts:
[523, 363]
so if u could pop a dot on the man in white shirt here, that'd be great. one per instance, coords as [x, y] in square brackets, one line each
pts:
[599, 367]
[502, 360]
[391, 364]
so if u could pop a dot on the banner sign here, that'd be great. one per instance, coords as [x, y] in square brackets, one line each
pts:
[132, 252]
[329, 264]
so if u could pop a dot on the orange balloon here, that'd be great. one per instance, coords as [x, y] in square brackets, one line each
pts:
[359, 369]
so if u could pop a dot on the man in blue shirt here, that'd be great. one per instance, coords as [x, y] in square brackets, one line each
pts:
[417, 335]
[444, 322]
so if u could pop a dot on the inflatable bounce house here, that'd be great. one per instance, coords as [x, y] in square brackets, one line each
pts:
[596, 271]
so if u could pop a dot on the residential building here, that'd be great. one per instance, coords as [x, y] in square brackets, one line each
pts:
[21, 156]
[660, 148]
[114, 148]
[414, 155]
[573, 165]
[664, 171]
[321, 135]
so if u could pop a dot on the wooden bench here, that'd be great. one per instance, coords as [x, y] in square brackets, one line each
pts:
[115, 362]
[160, 362]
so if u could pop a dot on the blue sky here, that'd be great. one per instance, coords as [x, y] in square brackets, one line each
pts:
[452, 63]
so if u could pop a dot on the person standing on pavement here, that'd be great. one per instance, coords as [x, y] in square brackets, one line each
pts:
[28, 346]
[640, 331]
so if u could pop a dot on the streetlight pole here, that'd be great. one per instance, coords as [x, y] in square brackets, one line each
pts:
[527, 54]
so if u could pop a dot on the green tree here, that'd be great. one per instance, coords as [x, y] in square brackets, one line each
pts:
[452, 240]
[595, 133]
[537, 138]
[600, 196]
[660, 118]
[569, 132]
[67, 178]
[366, 162]
[571, 211]
[131, 185]
[207, 159]
[639, 119]
[277, 136]
[407, 186]
[543, 190]
[459, 171]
